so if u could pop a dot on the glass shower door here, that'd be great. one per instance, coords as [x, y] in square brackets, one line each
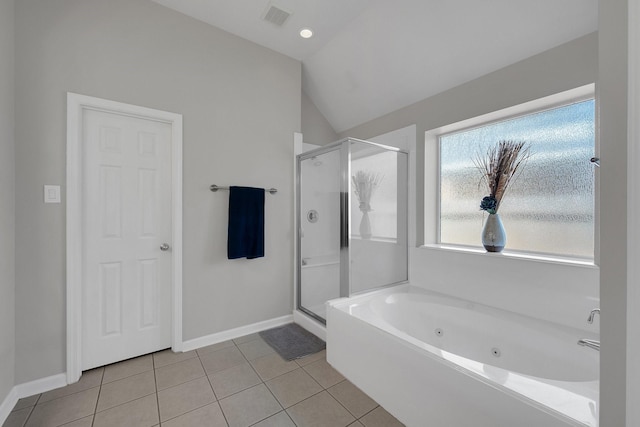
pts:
[319, 230]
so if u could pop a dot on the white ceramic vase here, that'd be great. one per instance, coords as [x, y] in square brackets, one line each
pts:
[365, 223]
[494, 237]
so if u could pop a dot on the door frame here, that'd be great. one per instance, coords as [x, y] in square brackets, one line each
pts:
[76, 106]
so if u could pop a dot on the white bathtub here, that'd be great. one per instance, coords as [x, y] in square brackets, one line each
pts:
[433, 360]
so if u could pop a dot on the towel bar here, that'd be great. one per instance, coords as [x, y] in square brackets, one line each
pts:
[215, 188]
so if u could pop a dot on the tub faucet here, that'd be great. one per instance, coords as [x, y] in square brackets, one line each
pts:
[589, 343]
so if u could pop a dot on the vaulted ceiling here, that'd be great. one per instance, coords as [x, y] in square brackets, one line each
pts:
[371, 57]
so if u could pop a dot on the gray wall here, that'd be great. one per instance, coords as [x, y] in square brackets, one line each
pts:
[612, 104]
[556, 292]
[7, 199]
[567, 66]
[241, 105]
[600, 57]
[315, 127]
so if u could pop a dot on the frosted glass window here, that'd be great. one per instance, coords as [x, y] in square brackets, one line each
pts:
[550, 206]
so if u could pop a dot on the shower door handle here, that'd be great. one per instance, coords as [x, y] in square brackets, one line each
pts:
[344, 220]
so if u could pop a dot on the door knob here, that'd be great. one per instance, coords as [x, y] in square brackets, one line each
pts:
[164, 247]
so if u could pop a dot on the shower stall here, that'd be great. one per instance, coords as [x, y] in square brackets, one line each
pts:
[352, 203]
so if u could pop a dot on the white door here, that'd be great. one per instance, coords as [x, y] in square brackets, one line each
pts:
[126, 231]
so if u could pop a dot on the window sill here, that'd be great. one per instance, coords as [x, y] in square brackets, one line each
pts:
[554, 259]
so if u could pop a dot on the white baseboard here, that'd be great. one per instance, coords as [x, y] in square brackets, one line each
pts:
[235, 333]
[40, 386]
[29, 389]
[7, 405]
[311, 325]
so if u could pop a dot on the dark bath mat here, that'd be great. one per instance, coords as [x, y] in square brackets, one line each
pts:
[292, 341]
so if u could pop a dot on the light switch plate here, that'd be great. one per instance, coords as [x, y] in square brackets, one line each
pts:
[52, 194]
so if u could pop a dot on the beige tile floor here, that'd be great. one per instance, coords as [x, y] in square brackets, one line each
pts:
[237, 383]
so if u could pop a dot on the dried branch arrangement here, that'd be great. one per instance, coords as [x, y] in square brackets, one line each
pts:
[364, 184]
[499, 167]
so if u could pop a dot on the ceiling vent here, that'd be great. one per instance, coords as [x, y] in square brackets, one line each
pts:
[276, 16]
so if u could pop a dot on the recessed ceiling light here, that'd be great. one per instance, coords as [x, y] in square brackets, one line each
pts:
[306, 33]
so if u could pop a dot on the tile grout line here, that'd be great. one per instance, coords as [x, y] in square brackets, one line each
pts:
[313, 379]
[315, 394]
[303, 400]
[95, 409]
[274, 396]
[38, 399]
[265, 384]
[289, 416]
[299, 366]
[113, 407]
[155, 380]
[183, 381]
[30, 412]
[377, 406]
[67, 396]
[173, 363]
[182, 415]
[212, 390]
[249, 363]
[329, 393]
[38, 403]
[188, 412]
[316, 381]
[205, 375]
[352, 414]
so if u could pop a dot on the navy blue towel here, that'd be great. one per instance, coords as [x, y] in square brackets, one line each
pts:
[246, 223]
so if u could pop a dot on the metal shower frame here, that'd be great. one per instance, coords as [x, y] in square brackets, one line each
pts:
[345, 202]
